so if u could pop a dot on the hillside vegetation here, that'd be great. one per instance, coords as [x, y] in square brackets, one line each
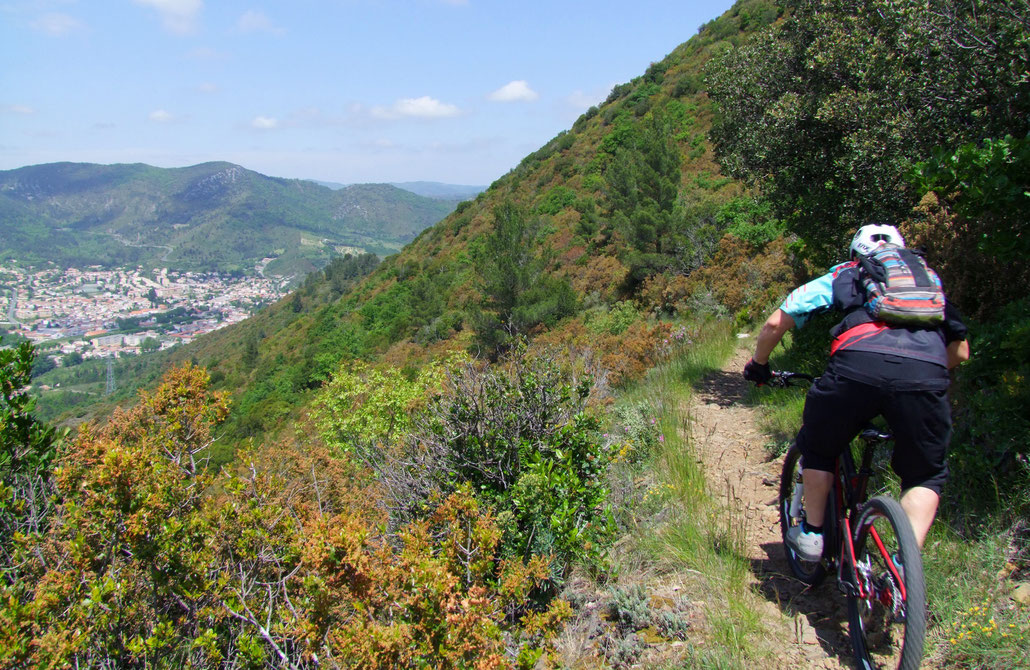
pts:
[214, 216]
[425, 459]
[603, 229]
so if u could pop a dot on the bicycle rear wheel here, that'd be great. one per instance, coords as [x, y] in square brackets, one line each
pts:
[790, 486]
[887, 617]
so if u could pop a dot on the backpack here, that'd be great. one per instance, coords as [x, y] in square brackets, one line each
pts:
[900, 289]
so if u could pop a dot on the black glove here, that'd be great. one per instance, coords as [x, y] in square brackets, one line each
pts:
[757, 372]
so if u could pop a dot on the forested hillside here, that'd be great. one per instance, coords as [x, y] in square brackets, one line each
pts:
[209, 217]
[604, 228]
[421, 456]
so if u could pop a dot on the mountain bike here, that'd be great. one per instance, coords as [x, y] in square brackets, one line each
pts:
[870, 546]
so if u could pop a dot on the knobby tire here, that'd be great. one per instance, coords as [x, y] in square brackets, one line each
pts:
[886, 631]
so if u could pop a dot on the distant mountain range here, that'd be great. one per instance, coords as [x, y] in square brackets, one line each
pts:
[428, 189]
[212, 216]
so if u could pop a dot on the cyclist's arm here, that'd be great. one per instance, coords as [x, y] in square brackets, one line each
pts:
[815, 296]
[955, 335]
[773, 330]
[958, 352]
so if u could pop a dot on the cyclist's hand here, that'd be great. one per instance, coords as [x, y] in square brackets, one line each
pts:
[757, 372]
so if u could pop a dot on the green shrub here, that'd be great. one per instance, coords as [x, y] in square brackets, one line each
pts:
[629, 607]
[985, 177]
[27, 451]
[614, 320]
[363, 405]
[519, 436]
[990, 449]
[636, 424]
[750, 220]
[557, 199]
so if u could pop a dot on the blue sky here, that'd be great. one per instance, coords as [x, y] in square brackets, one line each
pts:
[350, 91]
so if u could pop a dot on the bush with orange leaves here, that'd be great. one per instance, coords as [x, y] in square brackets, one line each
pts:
[622, 356]
[151, 561]
[745, 279]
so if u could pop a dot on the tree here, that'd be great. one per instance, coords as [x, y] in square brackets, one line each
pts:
[150, 344]
[643, 187]
[517, 293]
[250, 354]
[828, 112]
[42, 365]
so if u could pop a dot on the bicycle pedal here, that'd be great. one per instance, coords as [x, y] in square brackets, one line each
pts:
[847, 588]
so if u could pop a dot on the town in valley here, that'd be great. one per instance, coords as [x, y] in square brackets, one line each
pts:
[102, 313]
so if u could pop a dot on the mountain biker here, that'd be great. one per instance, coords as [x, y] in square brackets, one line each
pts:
[875, 369]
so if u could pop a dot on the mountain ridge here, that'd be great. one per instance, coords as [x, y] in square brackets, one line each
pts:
[216, 215]
[429, 189]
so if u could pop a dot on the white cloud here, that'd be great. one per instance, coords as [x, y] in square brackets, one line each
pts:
[161, 116]
[21, 110]
[178, 16]
[57, 24]
[208, 87]
[424, 107]
[256, 21]
[264, 123]
[515, 91]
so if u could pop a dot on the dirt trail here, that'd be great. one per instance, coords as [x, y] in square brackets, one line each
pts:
[738, 466]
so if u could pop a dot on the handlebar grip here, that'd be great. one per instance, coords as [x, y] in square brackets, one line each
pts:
[785, 378]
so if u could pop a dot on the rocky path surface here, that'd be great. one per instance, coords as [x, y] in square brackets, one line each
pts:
[738, 465]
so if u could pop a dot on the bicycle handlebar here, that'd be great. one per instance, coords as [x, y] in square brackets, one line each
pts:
[783, 378]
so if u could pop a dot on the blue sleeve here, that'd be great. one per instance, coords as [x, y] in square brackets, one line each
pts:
[811, 298]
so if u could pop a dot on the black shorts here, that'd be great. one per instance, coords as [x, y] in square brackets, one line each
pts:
[837, 408]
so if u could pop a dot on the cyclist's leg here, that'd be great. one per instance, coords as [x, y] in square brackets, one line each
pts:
[921, 422]
[920, 505]
[817, 485]
[836, 408]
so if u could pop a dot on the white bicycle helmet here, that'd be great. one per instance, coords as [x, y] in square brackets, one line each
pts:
[872, 235]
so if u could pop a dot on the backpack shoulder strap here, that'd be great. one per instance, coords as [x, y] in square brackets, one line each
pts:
[917, 267]
[873, 267]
